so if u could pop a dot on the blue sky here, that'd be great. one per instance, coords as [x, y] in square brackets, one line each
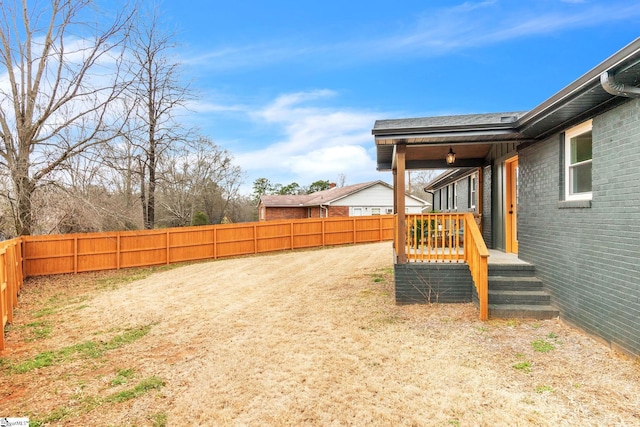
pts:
[292, 88]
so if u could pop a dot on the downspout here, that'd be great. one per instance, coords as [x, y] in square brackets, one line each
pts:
[609, 83]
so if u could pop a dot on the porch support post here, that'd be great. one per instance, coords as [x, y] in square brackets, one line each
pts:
[395, 208]
[399, 190]
[480, 196]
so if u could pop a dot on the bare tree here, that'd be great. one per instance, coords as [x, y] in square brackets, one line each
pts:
[62, 74]
[200, 178]
[159, 95]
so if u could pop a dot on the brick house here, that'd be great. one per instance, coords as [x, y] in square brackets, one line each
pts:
[560, 191]
[368, 198]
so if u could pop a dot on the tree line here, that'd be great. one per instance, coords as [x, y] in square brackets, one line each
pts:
[91, 136]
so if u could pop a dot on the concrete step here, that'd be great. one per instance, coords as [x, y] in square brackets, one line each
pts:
[519, 283]
[512, 270]
[506, 311]
[537, 297]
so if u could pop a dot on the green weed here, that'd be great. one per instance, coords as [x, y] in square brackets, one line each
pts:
[543, 388]
[159, 419]
[86, 350]
[523, 366]
[542, 346]
[44, 312]
[141, 388]
[124, 375]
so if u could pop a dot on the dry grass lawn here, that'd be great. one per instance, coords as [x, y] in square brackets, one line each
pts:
[299, 338]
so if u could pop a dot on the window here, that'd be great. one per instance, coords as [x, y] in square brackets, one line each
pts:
[357, 211]
[455, 196]
[472, 190]
[389, 211]
[375, 211]
[451, 197]
[578, 153]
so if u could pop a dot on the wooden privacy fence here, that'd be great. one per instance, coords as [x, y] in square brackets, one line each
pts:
[75, 253]
[11, 280]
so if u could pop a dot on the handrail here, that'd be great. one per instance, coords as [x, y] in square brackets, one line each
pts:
[476, 256]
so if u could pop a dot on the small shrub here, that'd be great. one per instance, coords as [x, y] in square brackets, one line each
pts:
[200, 218]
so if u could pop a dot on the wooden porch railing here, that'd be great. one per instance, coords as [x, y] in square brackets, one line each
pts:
[476, 256]
[450, 237]
[435, 237]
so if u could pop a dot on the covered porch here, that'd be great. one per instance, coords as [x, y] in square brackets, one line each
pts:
[448, 237]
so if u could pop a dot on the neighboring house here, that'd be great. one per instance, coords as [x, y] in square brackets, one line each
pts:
[369, 198]
[560, 187]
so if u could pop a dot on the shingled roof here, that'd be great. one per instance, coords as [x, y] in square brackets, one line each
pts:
[324, 197]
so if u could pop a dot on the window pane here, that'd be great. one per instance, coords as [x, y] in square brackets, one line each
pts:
[581, 178]
[581, 148]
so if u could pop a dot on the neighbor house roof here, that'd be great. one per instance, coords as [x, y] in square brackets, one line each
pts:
[325, 197]
[431, 137]
[447, 177]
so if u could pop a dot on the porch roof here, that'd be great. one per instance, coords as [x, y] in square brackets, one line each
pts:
[428, 139]
[471, 136]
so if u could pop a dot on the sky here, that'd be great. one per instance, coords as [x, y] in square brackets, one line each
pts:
[292, 88]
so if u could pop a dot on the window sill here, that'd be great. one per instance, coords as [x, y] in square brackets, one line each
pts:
[574, 204]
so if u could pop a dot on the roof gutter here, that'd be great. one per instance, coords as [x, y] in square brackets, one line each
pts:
[609, 83]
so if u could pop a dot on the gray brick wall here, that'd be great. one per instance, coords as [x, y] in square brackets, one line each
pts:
[462, 195]
[415, 283]
[588, 257]
[487, 231]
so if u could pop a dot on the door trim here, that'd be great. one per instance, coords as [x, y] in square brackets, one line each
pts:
[511, 205]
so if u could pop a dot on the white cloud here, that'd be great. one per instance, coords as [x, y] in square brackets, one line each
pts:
[437, 31]
[318, 142]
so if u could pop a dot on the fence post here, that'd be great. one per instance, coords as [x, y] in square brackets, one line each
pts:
[215, 242]
[75, 255]
[3, 305]
[12, 275]
[291, 234]
[255, 239]
[167, 238]
[118, 251]
[355, 236]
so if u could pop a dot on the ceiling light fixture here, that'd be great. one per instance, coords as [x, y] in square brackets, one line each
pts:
[451, 156]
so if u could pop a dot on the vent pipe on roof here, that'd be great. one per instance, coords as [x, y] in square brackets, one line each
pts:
[609, 83]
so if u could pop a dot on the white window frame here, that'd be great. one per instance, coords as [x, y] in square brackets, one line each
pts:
[572, 133]
[375, 211]
[473, 191]
[455, 196]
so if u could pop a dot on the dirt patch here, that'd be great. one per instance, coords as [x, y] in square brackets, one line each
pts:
[298, 338]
